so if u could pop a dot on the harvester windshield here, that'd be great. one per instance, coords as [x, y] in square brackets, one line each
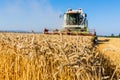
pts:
[72, 19]
[76, 19]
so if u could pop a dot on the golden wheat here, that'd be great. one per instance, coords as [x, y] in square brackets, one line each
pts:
[48, 57]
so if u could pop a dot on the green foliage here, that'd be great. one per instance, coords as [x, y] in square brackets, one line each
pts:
[119, 35]
[112, 35]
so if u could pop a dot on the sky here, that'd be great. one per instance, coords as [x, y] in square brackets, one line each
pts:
[28, 15]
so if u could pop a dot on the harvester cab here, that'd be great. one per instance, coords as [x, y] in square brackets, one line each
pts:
[75, 23]
[75, 20]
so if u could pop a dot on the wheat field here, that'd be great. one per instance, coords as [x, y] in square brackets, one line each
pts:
[49, 57]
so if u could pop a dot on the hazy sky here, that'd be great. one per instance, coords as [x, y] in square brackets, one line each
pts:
[27, 15]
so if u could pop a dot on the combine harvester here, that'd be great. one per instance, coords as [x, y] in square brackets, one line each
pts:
[75, 23]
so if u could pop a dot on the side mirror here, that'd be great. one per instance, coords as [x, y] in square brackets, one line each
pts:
[85, 15]
[60, 16]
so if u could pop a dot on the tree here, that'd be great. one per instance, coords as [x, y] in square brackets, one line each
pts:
[119, 35]
[112, 35]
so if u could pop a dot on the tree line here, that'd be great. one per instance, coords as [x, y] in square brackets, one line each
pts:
[112, 35]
